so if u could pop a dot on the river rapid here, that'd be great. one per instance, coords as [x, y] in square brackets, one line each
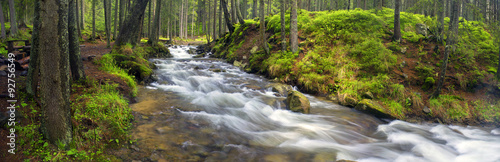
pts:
[207, 110]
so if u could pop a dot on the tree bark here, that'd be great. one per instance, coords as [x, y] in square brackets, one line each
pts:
[77, 13]
[77, 71]
[294, 44]
[221, 19]
[132, 24]
[3, 36]
[397, 26]
[34, 64]
[116, 20]
[122, 13]
[13, 22]
[440, 16]
[254, 9]
[107, 21]
[233, 12]
[153, 36]
[82, 17]
[93, 19]
[283, 26]
[238, 13]
[450, 42]
[263, 28]
[226, 16]
[54, 70]
[215, 21]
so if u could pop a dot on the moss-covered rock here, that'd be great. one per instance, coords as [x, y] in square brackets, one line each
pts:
[280, 88]
[140, 71]
[297, 102]
[371, 107]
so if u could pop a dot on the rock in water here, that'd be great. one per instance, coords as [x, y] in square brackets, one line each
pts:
[371, 107]
[281, 89]
[297, 102]
[421, 29]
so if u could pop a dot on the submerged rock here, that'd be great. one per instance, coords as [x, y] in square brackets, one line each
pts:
[371, 107]
[280, 88]
[297, 102]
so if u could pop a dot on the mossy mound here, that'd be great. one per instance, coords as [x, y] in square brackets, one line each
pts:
[297, 102]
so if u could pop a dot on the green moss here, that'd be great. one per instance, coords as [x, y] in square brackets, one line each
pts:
[428, 83]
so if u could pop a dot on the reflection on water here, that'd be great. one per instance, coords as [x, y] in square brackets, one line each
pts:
[195, 113]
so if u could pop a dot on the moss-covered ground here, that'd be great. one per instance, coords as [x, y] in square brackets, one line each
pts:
[345, 54]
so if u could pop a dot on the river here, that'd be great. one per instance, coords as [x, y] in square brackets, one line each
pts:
[208, 110]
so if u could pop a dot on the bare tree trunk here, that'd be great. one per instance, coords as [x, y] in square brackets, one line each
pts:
[78, 20]
[283, 26]
[238, 13]
[3, 36]
[116, 19]
[192, 24]
[77, 71]
[226, 16]
[397, 26]
[181, 21]
[149, 18]
[132, 24]
[215, 21]
[233, 13]
[440, 16]
[93, 19]
[221, 19]
[82, 21]
[263, 28]
[34, 64]
[13, 22]
[254, 9]
[450, 42]
[54, 70]
[208, 25]
[153, 36]
[294, 44]
[107, 21]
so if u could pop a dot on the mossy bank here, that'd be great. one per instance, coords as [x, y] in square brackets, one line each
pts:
[348, 57]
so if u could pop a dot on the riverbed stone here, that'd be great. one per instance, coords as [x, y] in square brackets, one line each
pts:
[371, 107]
[333, 98]
[426, 110]
[349, 101]
[297, 102]
[280, 88]
[276, 157]
[325, 157]
[367, 95]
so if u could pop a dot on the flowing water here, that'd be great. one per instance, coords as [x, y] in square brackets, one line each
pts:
[203, 114]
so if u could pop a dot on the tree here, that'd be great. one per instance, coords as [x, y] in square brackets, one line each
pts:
[498, 69]
[54, 70]
[254, 9]
[94, 3]
[238, 13]
[107, 21]
[33, 71]
[226, 17]
[215, 21]
[153, 36]
[397, 26]
[13, 22]
[3, 22]
[283, 26]
[262, 29]
[75, 60]
[440, 16]
[132, 24]
[450, 42]
[294, 44]
[116, 19]
[82, 22]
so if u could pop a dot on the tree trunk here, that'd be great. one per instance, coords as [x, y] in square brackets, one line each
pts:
[450, 42]
[192, 24]
[498, 69]
[149, 18]
[226, 16]
[294, 44]
[132, 24]
[215, 21]
[116, 20]
[238, 13]
[181, 17]
[13, 22]
[153, 36]
[93, 19]
[283, 26]
[263, 28]
[221, 19]
[54, 70]
[397, 26]
[440, 16]
[254, 9]
[122, 13]
[3, 36]
[75, 60]
[77, 13]
[34, 64]
[107, 21]
[82, 21]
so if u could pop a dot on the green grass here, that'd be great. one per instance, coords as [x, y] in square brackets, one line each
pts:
[108, 65]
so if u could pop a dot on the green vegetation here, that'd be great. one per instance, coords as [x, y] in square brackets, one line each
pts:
[348, 53]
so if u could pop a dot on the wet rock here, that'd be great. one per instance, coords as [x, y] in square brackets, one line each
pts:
[136, 161]
[154, 156]
[144, 117]
[199, 55]
[196, 149]
[196, 68]
[324, 157]
[297, 102]
[421, 29]
[426, 110]
[333, 98]
[239, 64]
[349, 101]
[217, 70]
[254, 87]
[367, 95]
[191, 51]
[276, 157]
[133, 147]
[371, 107]
[216, 156]
[254, 49]
[163, 130]
[345, 161]
[162, 160]
[281, 89]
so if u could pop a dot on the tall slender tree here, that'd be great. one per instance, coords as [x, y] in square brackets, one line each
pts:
[82, 17]
[94, 3]
[294, 44]
[215, 21]
[77, 71]
[221, 20]
[3, 36]
[283, 26]
[116, 20]
[254, 9]
[397, 26]
[107, 21]
[227, 19]
[450, 42]
[13, 22]
[262, 27]
[153, 36]
[238, 13]
[77, 13]
[54, 70]
[34, 64]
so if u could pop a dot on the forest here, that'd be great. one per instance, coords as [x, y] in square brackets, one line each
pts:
[249, 80]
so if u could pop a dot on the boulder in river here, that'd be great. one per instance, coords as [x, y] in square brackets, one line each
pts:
[297, 102]
[280, 88]
[348, 101]
[371, 107]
